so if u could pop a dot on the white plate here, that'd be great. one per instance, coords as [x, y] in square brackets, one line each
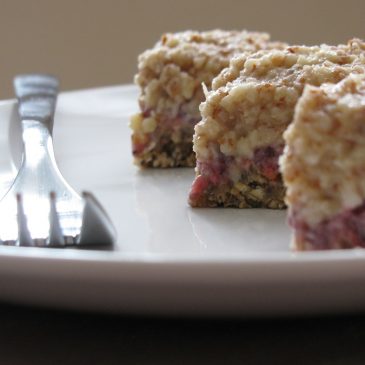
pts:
[169, 258]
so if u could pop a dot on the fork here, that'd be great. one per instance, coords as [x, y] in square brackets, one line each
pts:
[41, 209]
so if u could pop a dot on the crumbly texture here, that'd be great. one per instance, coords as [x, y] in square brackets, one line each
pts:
[252, 103]
[324, 166]
[258, 182]
[170, 77]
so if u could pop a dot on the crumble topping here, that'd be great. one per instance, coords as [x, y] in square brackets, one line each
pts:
[252, 102]
[173, 71]
[324, 162]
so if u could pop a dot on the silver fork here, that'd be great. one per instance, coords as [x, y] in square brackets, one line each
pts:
[40, 208]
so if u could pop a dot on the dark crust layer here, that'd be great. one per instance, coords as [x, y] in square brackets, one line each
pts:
[167, 153]
[259, 194]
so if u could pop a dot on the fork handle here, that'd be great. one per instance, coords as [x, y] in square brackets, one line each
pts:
[37, 96]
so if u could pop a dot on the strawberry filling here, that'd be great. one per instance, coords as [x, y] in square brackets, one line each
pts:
[343, 230]
[266, 160]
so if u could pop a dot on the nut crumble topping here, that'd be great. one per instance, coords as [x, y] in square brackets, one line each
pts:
[324, 162]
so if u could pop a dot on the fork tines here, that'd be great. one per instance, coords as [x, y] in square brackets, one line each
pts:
[95, 228]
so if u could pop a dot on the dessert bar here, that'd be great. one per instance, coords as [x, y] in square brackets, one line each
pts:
[170, 77]
[324, 166]
[239, 139]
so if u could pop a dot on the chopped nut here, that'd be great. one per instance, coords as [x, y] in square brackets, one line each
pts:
[136, 122]
[258, 193]
[241, 187]
[149, 125]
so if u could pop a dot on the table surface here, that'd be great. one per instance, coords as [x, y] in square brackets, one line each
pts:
[43, 336]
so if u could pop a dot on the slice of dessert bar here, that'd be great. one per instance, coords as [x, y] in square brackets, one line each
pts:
[239, 140]
[170, 77]
[323, 166]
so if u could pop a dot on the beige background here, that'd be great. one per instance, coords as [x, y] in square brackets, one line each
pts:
[96, 43]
